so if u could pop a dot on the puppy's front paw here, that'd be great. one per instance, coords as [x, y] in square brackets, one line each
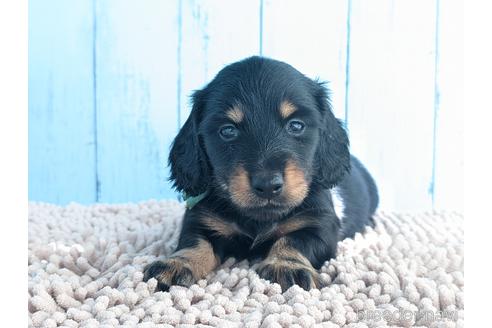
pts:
[287, 273]
[172, 271]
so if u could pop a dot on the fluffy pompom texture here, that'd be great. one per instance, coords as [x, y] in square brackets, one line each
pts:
[85, 270]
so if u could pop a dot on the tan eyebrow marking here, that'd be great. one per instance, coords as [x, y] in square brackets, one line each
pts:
[235, 114]
[286, 109]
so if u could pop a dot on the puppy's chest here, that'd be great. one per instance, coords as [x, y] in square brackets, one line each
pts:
[244, 241]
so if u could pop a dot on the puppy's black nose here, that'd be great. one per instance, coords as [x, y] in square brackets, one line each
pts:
[267, 186]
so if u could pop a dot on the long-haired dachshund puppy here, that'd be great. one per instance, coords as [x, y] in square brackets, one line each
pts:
[271, 178]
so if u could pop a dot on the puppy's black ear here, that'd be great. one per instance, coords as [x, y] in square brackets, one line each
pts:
[332, 156]
[190, 171]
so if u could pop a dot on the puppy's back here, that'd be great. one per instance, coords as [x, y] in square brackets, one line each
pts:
[360, 199]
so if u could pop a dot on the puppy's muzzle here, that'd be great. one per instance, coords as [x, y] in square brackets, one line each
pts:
[267, 185]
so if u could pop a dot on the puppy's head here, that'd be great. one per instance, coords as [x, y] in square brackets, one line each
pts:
[261, 134]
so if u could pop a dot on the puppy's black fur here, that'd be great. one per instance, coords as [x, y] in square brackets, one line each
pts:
[263, 144]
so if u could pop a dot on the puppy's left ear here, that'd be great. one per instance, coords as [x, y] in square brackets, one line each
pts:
[332, 158]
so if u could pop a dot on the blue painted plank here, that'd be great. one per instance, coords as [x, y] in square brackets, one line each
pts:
[311, 37]
[214, 33]
[391, 97]
[449, 152]
[136, 71]
[61, 108]
[148, 57]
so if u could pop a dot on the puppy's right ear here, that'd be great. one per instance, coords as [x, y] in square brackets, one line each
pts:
[189, 165]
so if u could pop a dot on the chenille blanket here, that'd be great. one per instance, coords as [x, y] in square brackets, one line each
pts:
[85, 270]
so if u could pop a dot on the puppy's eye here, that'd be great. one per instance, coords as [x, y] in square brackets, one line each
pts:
[296, 127]
[228, 132]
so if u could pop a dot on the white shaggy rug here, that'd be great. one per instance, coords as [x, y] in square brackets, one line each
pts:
[85, 270]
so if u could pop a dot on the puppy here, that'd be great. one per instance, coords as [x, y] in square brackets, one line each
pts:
[271, 176]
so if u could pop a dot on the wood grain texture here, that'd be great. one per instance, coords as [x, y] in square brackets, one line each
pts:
[61, 102]
[109, 87]
[136, 97]
[312, 37]
[391, 97]
[214, 33]
[449, 143]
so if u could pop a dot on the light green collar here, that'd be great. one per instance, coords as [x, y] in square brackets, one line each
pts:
[193, 200]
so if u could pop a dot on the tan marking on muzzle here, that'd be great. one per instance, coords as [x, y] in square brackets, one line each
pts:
[240, 188]
[286, 109]
[235, 114]
[295, 184]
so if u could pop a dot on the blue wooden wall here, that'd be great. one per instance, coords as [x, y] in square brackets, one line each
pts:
[109, 86]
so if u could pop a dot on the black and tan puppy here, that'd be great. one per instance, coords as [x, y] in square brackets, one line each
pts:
[268, 165]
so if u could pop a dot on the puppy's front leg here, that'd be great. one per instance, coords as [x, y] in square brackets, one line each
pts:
[184, 267]
[293, 258]
[193, 260]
